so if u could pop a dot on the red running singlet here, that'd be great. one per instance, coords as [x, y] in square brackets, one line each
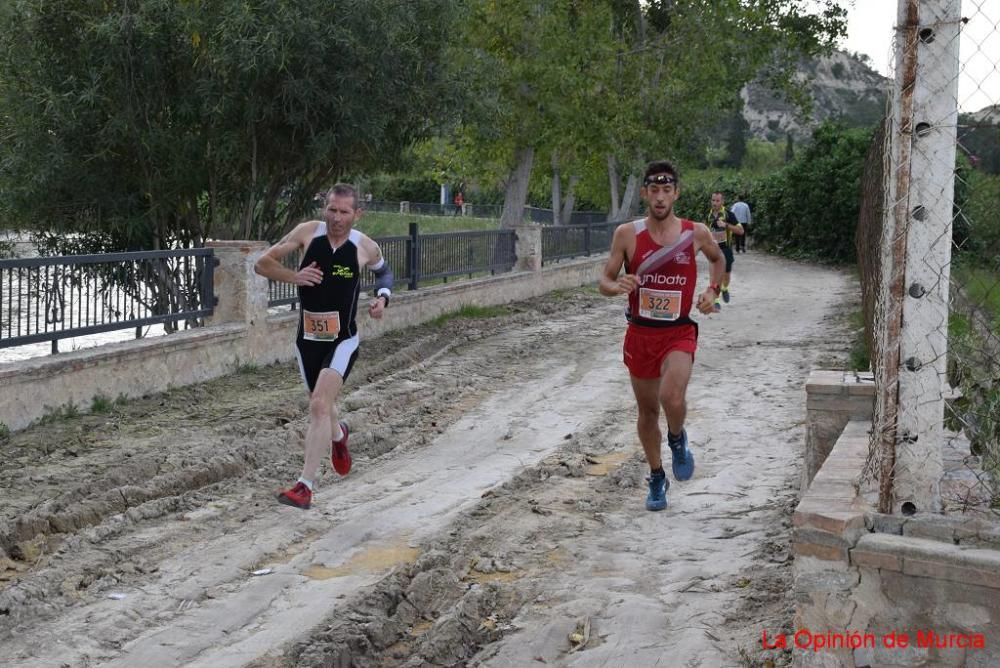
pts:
[667, 277]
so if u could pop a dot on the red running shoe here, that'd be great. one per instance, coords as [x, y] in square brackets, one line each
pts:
[299, 496]
[340, 456]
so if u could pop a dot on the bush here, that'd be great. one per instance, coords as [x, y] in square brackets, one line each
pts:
[696, 192]
[810, 208]
[977, 225]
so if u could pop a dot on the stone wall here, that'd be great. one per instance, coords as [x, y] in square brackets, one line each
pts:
[242, 331]
[832, 398]
[874, 579]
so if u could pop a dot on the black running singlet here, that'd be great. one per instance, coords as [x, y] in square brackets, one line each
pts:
[341, 281]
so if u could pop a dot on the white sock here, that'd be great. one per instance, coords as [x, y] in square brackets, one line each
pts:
[307, 483]
[338, 430]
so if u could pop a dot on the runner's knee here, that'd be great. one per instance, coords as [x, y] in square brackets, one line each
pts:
[319, 406]
[648, 413]
[672, 401]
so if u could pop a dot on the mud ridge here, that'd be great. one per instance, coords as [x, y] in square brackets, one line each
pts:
[66, 515]
[465, 589]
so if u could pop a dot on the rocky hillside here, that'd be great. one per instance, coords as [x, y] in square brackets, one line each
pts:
[842, 87]
[986, 116]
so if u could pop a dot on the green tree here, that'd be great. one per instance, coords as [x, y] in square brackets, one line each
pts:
[534, 67]
[683, 64]
[162, 122]
[811, 207]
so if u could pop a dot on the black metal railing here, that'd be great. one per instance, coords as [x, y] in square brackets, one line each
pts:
[54, 298]
[448, 254]
[546, 217]
[560, 242]
[532, 214]
[416, 258]
[280, 293]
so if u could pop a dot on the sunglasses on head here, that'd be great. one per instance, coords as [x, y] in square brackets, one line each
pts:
[659, 179]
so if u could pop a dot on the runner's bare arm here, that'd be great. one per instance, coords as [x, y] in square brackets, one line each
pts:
[269, 265]
[704, 242]
[610, 283]
[371, 253]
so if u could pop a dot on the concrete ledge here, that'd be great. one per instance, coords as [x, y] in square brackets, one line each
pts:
[79, 359]
[241, 332]
[930, 558]
[37, 386]
[857, 570]
[832, 505]
[832, 399]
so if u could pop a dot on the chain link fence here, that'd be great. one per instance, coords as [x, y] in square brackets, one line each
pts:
[928, 243]
[928, 246]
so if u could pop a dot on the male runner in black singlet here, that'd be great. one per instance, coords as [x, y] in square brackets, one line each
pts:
[328, 281]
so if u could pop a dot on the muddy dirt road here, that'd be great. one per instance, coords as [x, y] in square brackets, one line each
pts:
[494, 516]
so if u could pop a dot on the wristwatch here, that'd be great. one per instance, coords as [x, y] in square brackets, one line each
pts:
[716, 288]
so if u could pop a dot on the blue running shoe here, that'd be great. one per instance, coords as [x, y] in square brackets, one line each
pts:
[657, 498]
[716, 306]
[682, 457]
[725, 296]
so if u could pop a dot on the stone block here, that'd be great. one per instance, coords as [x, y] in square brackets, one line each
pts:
[917, 593]
[807, 534]
[948, 570]
[829, 485]
[824, 552]
[983, 658]
[879, 560]
[989, 537]
[909, 656]
[840, 608]
[823, 659]
[826, 581]
[866, 390]
[882, 523]
[952, 657]
[815, 513]
[844, 406]
[968, 618]
[932, 527]
[825, 381]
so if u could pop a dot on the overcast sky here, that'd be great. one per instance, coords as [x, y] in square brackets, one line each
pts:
[870, 30]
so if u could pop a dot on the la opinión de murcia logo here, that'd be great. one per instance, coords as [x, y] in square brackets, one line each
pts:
[922, 639]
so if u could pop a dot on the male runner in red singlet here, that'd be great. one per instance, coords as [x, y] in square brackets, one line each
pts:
[658, 253]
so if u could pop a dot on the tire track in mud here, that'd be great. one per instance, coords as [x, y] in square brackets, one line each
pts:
[132, 462]
[555, 568]
[502, 577]
[127, 549]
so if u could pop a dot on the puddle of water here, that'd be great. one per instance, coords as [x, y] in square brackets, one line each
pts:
[372, 560]
[605, 463]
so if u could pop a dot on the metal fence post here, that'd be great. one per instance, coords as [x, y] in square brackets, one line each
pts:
[208, 296]
[413, 256]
